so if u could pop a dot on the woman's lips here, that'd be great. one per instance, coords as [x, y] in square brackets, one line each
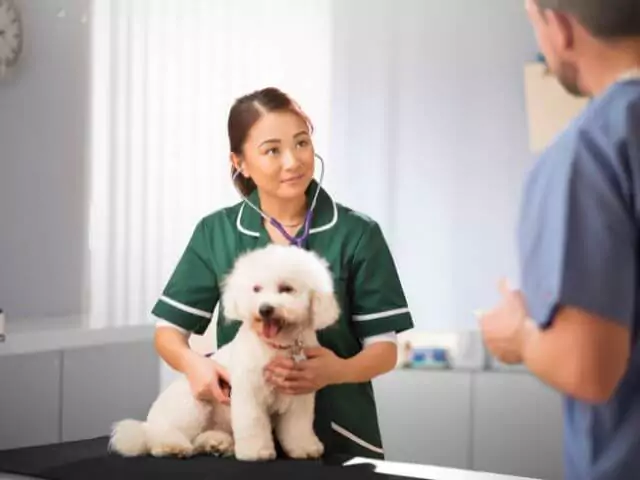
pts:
[293, 179]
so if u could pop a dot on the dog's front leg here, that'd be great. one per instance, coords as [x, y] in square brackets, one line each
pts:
[251, 427]
[295, 432]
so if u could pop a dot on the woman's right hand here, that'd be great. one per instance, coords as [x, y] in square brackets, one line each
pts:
[208, 380]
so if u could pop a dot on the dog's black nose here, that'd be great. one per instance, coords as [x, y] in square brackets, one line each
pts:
[266, 310]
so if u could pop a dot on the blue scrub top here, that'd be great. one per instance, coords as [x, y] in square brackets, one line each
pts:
[578, 245]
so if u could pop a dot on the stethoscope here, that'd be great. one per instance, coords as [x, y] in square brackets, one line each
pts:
[297, 240]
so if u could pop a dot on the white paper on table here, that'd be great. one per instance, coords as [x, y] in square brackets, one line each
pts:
[428, 472]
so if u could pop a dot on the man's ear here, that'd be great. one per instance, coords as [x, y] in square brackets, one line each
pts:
[561, 28]
[324, 309]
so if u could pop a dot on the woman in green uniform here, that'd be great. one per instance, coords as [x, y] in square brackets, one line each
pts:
[273, 162]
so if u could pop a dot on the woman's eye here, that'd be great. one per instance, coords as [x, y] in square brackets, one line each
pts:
[285, 289]
[272, 151]
[303, 143]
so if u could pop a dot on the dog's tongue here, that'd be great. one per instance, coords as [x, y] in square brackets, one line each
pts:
[270, 329]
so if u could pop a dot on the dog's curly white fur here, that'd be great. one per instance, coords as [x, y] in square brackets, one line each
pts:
[281, 295]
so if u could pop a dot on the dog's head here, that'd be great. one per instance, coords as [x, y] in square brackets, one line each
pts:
[280, 291]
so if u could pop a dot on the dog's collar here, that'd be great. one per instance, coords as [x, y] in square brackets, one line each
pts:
[296, 348]
[278, 346]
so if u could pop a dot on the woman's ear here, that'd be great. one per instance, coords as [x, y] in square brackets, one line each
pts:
[238, 164]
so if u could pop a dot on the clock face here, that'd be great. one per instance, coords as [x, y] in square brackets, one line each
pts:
[10, 33]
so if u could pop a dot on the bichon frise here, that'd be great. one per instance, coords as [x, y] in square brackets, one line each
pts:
[282, 295]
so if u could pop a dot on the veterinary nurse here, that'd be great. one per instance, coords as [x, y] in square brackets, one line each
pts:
[578, 240]
[273, 163]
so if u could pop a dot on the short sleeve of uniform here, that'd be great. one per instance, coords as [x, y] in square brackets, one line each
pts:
[378, 299]
[578, 235]
[191, 294]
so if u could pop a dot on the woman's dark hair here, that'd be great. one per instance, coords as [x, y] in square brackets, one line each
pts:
[245, 112]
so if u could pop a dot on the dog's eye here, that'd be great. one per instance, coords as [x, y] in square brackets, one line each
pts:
[257, 288]
[285, 289]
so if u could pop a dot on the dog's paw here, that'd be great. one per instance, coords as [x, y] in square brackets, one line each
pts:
[254, 451]
[214, 442]
[260, 455]
[310, 447]
[173, 449]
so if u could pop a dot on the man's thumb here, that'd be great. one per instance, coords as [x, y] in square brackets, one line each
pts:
[505, 287]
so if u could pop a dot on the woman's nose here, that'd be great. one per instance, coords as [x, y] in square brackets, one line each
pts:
[290, 159]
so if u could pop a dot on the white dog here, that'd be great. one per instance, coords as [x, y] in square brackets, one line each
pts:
[282, 295]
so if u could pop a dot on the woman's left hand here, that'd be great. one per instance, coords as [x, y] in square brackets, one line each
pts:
[322, 367]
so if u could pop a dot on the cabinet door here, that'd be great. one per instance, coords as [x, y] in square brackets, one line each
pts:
[425, 416]
[517, 426]
[107, 383]
[29, 399]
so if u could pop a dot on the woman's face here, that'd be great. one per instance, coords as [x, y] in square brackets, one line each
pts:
[278, 155]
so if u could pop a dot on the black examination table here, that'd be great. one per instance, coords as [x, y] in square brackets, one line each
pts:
[90, 460]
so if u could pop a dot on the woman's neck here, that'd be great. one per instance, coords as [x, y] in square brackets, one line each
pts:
[287, 212]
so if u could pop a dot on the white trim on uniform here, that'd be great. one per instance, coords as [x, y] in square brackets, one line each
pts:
[164, 323]
[390, 337]
[322, 228]
[355, 439]
[376, 316]
[239, 224]
[331, 224]
[186, 308]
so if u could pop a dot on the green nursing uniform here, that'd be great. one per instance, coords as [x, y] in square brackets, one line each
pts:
[366, 282]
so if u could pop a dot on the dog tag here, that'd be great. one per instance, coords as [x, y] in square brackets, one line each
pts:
[298, 355]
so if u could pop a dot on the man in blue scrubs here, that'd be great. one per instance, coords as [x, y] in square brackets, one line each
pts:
[576, 319]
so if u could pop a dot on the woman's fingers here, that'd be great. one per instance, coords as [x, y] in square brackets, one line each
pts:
[286, 375]
[218, 394]
[223, 373]
[282, 362]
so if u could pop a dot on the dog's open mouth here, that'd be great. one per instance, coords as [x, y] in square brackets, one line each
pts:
[272, 327]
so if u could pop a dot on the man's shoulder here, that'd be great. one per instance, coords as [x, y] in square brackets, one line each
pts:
[606, 129]
[609, 120]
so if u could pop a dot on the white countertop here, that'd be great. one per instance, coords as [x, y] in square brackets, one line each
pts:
[62, 333]
[431, 472]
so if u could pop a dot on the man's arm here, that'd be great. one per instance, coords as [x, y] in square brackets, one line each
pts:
[580, 354]
[578, 258]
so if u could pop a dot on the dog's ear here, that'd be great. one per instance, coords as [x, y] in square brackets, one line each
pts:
[230, 299]
[325, 309]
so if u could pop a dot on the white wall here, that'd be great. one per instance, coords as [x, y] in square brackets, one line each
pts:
[430, 138]
[43, 138]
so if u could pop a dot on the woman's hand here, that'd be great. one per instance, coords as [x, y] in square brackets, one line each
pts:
[208, 380]
[321, 368]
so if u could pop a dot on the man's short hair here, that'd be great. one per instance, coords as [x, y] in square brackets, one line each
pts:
[607, 19]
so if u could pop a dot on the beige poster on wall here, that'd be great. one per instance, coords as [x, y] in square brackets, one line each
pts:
[550, 108]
